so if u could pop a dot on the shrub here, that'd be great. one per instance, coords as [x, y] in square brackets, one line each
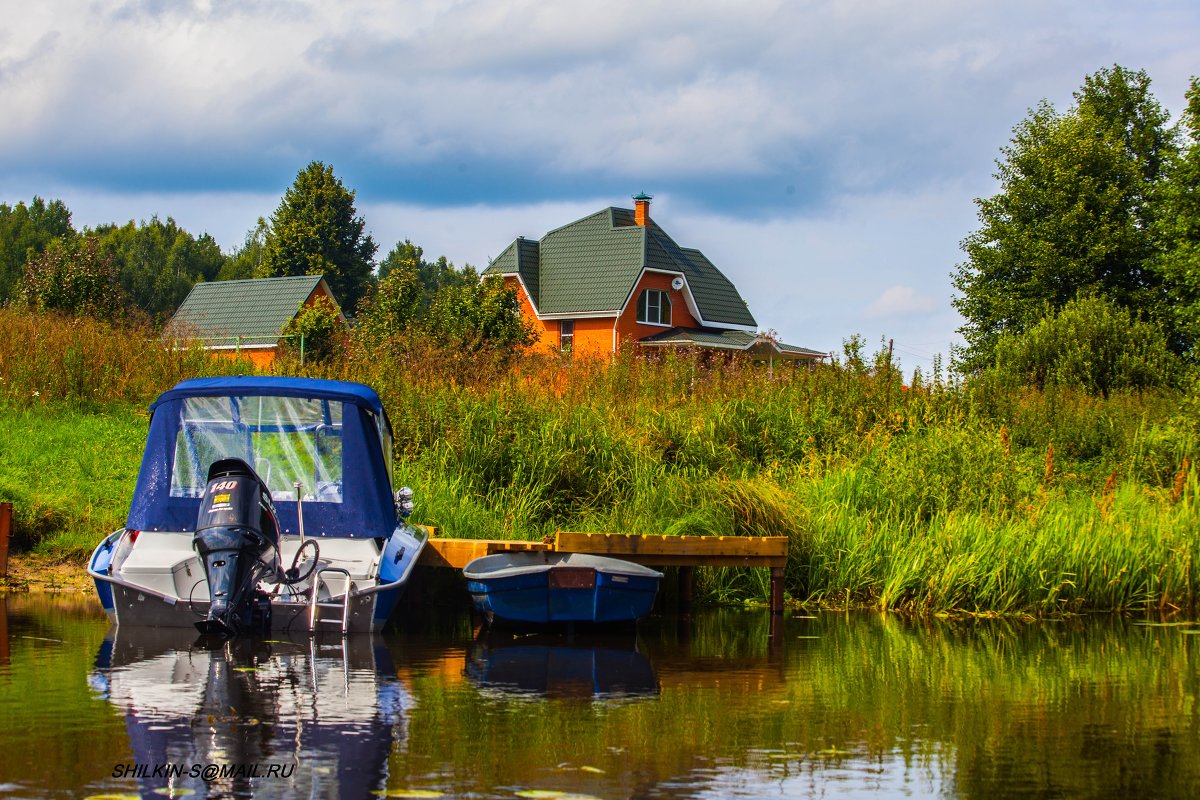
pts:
[318, 330]
[73, 277]
[477, 316]
[1092, 345]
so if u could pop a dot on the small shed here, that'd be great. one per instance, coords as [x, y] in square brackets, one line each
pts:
[246, 317]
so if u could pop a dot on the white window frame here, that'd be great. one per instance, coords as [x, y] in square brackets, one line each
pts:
[566, 335]
[660, 298]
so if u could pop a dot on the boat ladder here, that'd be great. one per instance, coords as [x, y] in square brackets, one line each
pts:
[315, 605]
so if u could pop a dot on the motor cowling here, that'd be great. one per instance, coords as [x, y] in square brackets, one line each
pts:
[237, 539]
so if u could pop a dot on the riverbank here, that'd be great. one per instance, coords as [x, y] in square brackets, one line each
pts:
[937, 497]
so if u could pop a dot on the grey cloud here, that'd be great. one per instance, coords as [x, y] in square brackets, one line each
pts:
[24, 66]
[199, 11]
[819, 97]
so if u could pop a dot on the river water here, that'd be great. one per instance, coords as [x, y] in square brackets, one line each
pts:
[712, 706]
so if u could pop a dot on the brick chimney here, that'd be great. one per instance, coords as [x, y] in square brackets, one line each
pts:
[641, 208]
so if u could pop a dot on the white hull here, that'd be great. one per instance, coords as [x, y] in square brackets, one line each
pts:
[157, 580]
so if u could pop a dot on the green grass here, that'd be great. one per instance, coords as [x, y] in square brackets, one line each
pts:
[69, 474]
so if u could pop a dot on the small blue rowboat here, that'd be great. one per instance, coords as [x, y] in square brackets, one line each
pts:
[541, 588]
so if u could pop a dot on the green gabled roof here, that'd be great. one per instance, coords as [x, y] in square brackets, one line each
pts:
[715, 296]
[528, 265]
[729, 340]
[519, 258]
[713, 337]
[589, 266]
[803, 351]
[592, 264]
[254, 310]
[505, 263]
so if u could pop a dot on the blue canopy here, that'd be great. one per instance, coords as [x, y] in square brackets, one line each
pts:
[331, 437]
[273, 386]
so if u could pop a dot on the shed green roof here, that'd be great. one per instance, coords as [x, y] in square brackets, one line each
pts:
[249, 312]
[592, 265]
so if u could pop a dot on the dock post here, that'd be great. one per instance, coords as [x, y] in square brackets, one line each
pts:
[5, 530]
[776, 590]
[686, 575]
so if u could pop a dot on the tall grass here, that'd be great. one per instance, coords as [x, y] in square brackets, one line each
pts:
[979, 497]
[1132, 549]
[82, 363]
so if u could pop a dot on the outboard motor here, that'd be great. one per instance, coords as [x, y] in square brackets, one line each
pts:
[237, 538]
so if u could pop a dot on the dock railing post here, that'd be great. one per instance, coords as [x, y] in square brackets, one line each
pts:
[5, 530]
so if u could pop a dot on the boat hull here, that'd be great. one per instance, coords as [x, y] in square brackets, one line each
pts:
[158, 596]
[138, 606]
[552, 588]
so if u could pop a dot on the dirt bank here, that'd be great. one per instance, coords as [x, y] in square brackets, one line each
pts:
[28, 572]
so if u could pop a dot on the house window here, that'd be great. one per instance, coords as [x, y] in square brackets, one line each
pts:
[566, 335]
[654, 307]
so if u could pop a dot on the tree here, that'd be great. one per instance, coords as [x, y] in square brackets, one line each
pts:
[246, 261]
[433, 275]
[442, 274]
[389, 309]
[479, 315]
[1090, 344]
[158, 262]
[25, 231]
[73, 277]
[431, 297]
[1177, 226]
[404, 254]
[1073, 214]
[315, 232]
[1118, 101]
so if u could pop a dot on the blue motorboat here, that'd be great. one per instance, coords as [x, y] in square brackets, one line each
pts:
[263, 503]
[545, 588]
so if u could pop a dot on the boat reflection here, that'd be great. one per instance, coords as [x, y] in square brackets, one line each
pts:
[597, 667]
[274, 718]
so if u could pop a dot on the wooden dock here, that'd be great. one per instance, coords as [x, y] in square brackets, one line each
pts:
[685, 552]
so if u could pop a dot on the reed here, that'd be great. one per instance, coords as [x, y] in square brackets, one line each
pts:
[977, 497]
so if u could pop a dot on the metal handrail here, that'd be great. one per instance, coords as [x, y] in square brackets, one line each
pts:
[314, 605]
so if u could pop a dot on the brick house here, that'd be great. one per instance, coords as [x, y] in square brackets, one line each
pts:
[616, 276]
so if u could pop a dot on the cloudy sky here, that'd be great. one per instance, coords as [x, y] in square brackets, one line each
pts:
[824, 155]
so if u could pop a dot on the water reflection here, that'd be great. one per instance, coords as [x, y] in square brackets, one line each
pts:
[277, 718]
[596, 667]
[852, 705]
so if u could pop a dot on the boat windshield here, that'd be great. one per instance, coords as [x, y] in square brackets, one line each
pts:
[288, 440]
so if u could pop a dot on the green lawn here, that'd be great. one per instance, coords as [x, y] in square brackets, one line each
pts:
[69, 474]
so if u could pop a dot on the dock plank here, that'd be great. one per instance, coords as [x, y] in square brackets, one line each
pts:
[457, 553]
[700, 551]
